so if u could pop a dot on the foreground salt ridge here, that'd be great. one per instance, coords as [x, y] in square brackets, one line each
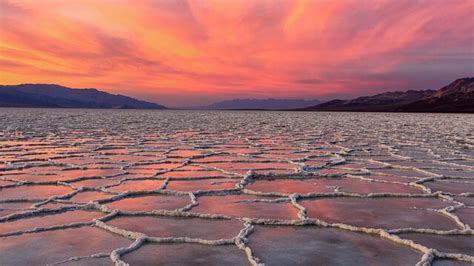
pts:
[337, 156]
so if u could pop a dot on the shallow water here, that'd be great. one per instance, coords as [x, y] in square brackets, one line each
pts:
[98, 187]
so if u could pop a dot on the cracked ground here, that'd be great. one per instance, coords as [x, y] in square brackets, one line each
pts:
[104, 187]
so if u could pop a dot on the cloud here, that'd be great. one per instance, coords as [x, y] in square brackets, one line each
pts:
[168, 50]
[309, 81]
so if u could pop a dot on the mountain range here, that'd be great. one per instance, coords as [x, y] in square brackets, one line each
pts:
[455, 97]
[54, 96]
[259, 104]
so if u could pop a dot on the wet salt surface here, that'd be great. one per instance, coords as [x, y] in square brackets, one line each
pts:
[192, 254]
[212, 229]
[53, 246]
[89, 187]
[324, 246]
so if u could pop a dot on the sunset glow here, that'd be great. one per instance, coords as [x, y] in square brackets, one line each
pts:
[190, 52]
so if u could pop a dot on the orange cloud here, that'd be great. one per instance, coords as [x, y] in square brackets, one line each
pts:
[195, 52]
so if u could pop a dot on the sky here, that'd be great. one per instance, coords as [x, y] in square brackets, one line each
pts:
[195, 52]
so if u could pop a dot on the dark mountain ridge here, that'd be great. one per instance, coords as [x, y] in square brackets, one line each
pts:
[458, 96]
[455, 97]
[55, 96]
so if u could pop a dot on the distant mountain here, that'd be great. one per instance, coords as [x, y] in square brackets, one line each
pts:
[260, 104]
[388, 101]
[456, 97]
[50, 95]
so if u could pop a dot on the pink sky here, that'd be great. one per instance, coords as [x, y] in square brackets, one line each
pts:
[178, 52]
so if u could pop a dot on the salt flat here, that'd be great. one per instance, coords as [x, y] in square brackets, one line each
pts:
[103, 187]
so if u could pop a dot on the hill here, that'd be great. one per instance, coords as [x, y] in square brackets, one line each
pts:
[455, 97]
[55, 96]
